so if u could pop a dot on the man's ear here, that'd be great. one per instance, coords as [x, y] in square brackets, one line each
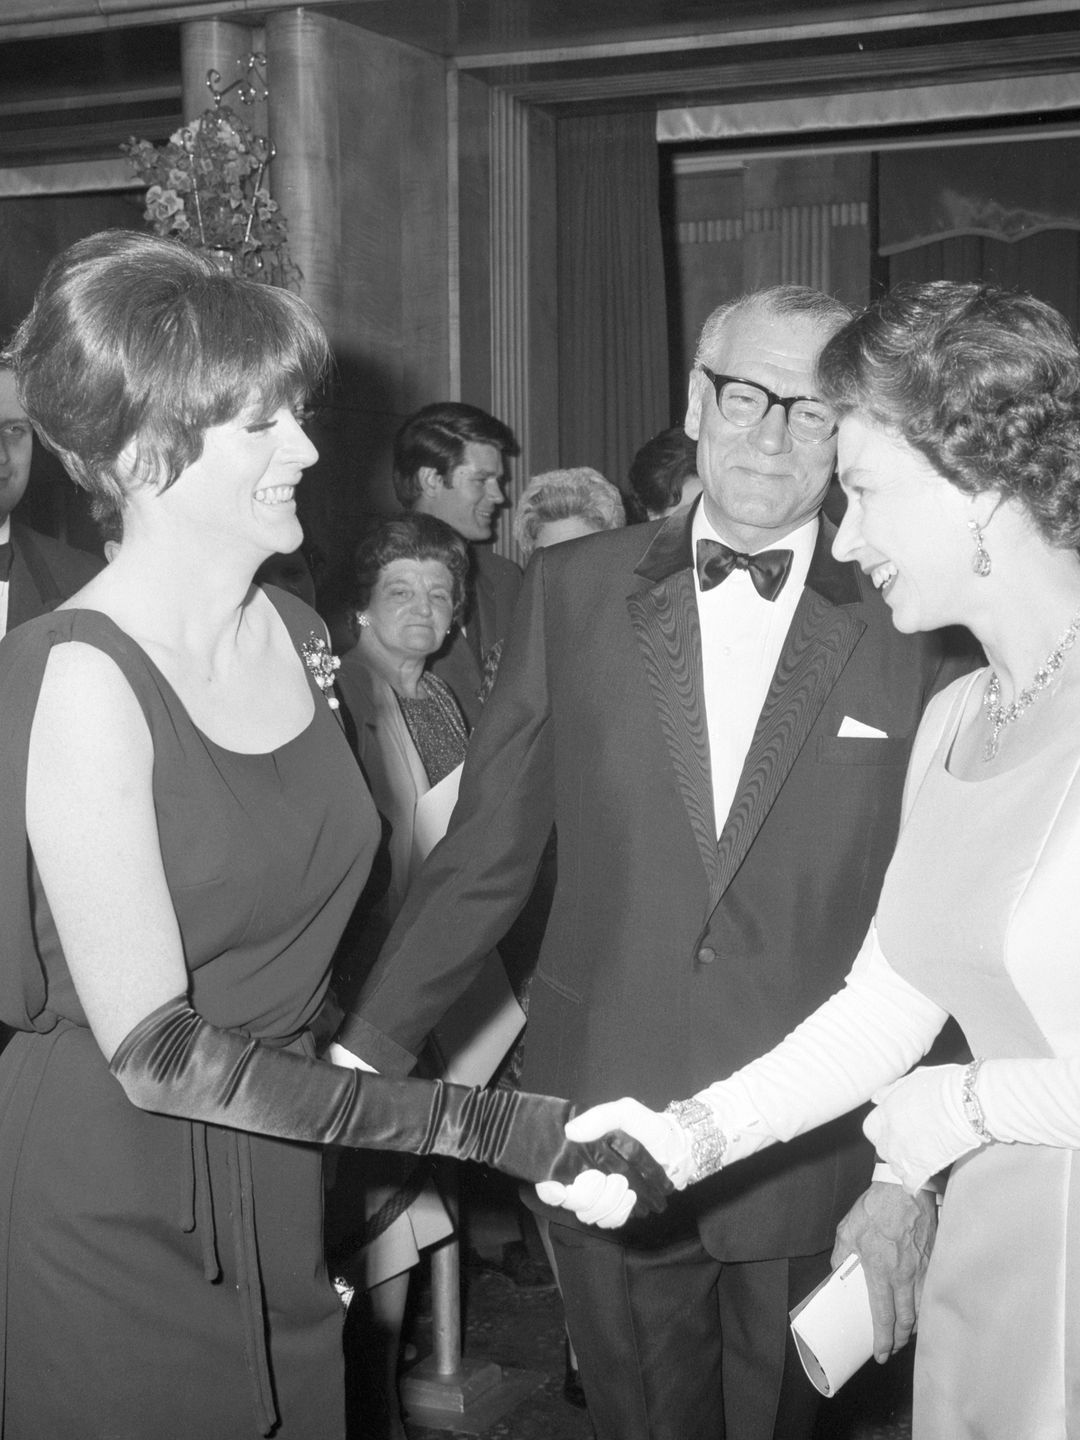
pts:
[699, 386]
[429, 479]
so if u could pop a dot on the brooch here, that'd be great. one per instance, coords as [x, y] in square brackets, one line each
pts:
[322, 663]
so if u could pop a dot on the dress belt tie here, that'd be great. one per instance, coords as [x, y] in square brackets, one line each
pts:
[197, 1214]
[197, 1207]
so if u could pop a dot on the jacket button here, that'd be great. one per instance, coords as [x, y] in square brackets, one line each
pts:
[706, 955]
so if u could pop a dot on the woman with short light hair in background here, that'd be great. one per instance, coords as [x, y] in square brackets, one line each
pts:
[563, 505]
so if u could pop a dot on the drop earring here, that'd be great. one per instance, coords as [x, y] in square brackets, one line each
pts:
[980, 561]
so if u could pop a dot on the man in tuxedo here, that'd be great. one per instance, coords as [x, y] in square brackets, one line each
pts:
[717, 716]
[36, 572]
[449, 461]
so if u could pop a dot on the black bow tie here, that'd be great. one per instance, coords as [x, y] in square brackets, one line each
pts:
[5, 560]
[768, 569]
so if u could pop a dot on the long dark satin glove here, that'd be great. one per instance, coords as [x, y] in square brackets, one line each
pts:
[175, 1063]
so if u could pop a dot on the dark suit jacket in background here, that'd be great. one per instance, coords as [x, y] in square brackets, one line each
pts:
[670, 959]
[495, 585]
[44, 571]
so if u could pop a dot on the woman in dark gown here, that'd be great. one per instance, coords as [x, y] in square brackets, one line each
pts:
[183, 835]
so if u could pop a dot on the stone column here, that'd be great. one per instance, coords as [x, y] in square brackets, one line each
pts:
[302, 60]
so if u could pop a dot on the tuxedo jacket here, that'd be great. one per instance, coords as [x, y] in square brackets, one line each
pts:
[44, 571]
[494, 586]
[670, 959]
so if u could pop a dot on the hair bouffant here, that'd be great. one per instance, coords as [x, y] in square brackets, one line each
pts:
[137, 344]
[412, 536]
[578, 494]
[985, 383]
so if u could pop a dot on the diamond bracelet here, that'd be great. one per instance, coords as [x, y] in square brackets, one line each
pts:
[708, 1143]
[973, 1111]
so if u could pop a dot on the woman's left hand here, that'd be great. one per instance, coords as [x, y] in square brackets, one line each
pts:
[919, 1125]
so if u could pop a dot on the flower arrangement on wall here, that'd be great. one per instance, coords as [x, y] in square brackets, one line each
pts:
[207, 187]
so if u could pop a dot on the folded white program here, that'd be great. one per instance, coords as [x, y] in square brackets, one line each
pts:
[833, 1329]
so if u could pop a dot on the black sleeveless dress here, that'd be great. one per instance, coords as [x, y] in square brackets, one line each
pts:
[162, 1280]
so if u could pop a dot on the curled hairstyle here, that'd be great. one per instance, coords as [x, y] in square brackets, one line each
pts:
[985, 383]
[413, 536]
[136, 341]
[580, 494]
[436, 437]
[776, 300]
[661, 468]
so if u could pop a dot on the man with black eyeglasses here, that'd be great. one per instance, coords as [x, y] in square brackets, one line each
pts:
[716, 714]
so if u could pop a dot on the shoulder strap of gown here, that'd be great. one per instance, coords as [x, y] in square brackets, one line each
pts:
[24, 654]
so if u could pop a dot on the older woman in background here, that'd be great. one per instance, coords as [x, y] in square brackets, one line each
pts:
[959, 453]
[409, 578]
[563, 505]
[409, 581]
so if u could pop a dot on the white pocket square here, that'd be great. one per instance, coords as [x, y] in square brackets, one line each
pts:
[855, 729]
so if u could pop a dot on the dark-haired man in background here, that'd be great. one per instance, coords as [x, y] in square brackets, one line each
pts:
[663, 477]
[450, 461]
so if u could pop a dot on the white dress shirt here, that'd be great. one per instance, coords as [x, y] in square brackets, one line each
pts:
[742, 636]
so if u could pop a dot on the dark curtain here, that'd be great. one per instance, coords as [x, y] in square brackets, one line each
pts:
[613, 362]
[1046, 265]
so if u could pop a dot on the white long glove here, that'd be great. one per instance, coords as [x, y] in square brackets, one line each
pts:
[919, 1125]
[865, 1035]
[1032, 1102]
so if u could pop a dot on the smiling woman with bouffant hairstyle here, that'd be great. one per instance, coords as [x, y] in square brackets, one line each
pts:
[184, 834]
[136, 341]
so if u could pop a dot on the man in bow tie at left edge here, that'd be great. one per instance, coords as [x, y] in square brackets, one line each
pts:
[722, 839]
[36, 571]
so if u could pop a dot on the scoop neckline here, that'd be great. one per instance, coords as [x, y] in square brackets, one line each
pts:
[168, 685]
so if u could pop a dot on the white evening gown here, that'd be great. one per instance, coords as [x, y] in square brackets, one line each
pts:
[981, 912]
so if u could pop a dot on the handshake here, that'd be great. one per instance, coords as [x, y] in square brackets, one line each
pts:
[633, 1157]
[613, 1161]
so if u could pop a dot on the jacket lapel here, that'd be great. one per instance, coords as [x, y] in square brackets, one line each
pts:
[665, 620]
[823, 632]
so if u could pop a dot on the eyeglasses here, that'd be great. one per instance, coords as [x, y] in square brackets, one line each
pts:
[746, 403]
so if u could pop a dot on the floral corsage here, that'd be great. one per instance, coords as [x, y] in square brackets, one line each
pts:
[323, 664]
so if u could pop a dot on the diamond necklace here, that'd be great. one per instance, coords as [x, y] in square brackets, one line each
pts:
[1001, 715]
